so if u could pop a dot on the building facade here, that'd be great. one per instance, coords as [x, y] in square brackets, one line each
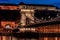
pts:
[9, 14]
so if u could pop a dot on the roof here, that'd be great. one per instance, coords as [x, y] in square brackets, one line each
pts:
[21, 3]
[5, 6]
[46, 5]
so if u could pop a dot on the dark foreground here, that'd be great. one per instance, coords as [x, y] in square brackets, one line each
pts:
[15, 38]
[30, 36]
[19, 36]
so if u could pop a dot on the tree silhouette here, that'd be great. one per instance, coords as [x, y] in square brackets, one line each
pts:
[21, 3]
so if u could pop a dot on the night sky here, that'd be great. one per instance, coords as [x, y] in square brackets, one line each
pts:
[50, 2]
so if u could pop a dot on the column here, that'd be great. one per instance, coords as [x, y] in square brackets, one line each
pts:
[30, 16]
[23, 19]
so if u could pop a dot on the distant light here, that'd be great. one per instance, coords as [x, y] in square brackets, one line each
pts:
[7, 27]
[27, 29]
[48, 16]
[27, 10]
[57, 15]
[8, 7]
[42, 18]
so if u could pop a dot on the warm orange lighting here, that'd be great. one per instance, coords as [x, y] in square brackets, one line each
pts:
[27, 10]
[49, 29]
[27, 29]
[8, 7]
[4, 23]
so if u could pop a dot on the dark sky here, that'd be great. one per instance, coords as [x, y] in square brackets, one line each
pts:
[50, 2]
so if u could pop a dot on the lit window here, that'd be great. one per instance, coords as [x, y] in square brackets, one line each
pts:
[7, 26]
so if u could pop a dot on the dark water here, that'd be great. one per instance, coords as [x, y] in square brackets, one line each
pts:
[15, 38]
[20, 36]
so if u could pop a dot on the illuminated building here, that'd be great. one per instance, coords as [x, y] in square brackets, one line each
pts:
[45, 18]
[9, 14]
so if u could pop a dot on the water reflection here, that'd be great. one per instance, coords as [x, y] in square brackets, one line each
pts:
[14, 38]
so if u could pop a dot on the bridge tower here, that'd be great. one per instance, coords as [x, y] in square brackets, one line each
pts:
[27, 15]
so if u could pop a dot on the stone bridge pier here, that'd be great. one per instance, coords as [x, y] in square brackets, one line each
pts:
[27, 16]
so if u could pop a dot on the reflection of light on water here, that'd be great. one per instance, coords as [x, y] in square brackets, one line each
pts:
[14, 38]
[8, 38]
[5, 37]
[45, 38]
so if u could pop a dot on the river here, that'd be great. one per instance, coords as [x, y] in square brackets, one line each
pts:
[15, 38]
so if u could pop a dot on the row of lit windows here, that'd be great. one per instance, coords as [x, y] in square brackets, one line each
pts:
[27, 29]
[50, 29]
[8, 7]
[49, 38]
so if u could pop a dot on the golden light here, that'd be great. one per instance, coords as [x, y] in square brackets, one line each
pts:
[27, 10]
[4, 23]
[8, 7]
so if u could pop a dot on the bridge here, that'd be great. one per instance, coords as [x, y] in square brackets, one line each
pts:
[31, 14]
